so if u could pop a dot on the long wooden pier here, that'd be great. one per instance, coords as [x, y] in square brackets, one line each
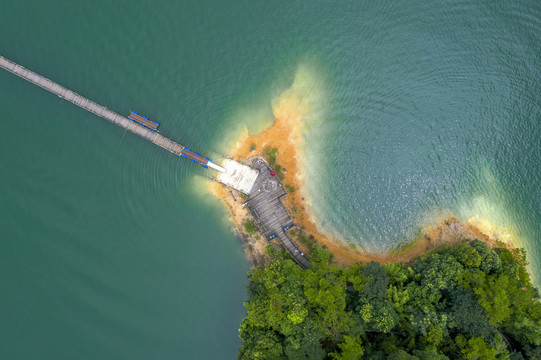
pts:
[265, 191]
[103, 112]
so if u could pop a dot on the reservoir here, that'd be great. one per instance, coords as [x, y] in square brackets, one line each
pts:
[112, 248]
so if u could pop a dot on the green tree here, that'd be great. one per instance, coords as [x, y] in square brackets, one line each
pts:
[376, 286]
[525, 329]
[304, 342]
[355, 277]
[279, 301]
[262, 345]
[475, 348]
[325, 291]
[424, 319]
[490, 261]
[311, 350]
[436, 334]
[429, 355]
[532, 352]
[395, 311]
[519, 257]
[350, 349]
[467, 314]
[402, 355]
[516, 356]
[399, 298]
[422, 296]
[379, 316]
[439, 271]
[319, 256]
[399, 274]
[467, 255]
[494, 298]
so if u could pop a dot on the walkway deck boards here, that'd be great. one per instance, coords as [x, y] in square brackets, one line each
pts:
[270, 214]
[97, 109]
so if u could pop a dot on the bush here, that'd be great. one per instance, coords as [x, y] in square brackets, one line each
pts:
[271, 154]
[249, 227]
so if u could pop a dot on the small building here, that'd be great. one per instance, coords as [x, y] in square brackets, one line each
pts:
[238, 176]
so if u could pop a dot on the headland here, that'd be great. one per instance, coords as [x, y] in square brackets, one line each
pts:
[282, 146]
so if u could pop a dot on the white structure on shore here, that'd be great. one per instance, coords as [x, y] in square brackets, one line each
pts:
[238, 176]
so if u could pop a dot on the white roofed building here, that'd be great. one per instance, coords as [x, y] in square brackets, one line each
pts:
[238, 176]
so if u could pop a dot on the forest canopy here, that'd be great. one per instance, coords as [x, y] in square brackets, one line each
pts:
[461, 302]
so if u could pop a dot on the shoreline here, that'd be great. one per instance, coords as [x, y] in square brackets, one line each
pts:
[285, 135]
[448, 231]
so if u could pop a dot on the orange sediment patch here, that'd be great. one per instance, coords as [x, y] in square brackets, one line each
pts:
[286, 135]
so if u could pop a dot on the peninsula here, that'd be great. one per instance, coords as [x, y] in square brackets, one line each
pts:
[282, 147]
[448, 295]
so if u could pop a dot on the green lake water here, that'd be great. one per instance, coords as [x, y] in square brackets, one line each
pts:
[111, 248]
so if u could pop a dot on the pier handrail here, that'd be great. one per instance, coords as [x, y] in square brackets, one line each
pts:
[98, 109]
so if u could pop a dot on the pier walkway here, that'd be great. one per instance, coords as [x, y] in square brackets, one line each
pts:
[264, 191]
[270, 214]
[105, 113]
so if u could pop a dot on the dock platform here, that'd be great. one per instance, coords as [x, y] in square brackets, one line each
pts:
[268, 211]
[143, 120]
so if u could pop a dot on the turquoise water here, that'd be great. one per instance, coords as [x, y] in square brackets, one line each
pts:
[432, 111]
[111, 248]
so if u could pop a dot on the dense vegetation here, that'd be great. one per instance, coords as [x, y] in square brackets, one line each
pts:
[463, 302]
